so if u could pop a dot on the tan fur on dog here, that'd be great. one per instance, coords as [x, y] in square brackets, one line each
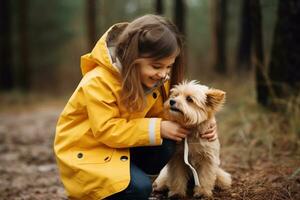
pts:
[193, 106]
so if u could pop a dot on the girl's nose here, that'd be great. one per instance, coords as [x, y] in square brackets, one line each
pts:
[163, 74]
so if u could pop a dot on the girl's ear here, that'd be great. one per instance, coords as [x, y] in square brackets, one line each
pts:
[215, 99]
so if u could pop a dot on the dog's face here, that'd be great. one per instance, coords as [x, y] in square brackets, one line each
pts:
[190, 103]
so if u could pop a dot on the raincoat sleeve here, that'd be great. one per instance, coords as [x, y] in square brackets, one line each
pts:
[106, 124]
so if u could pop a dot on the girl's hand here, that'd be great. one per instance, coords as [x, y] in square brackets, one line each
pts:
[211, 134]
[172, 130]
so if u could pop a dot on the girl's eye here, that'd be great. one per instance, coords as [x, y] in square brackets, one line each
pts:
[189, 99]
[156, 67]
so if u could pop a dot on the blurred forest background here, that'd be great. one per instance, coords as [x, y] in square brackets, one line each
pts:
[249, 48]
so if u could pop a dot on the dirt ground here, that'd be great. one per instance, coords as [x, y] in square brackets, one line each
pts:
[28, 169]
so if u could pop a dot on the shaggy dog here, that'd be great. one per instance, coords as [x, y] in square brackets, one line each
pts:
[193, 106]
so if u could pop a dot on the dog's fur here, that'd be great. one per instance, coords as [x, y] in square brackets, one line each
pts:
[193, 106]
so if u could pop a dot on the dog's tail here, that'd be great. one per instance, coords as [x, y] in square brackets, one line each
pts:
[223, 179]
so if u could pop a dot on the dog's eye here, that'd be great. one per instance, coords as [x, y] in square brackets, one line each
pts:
[189, 99]
[173, 95]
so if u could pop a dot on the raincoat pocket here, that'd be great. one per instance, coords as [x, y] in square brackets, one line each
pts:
[95, 175]
[92, 156]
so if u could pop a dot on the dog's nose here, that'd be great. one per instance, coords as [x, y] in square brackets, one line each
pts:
[172, 102]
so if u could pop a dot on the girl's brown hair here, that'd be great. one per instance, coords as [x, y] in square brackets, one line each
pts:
[149, 36]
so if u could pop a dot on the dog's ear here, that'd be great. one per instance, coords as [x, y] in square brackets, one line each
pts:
[215, 99]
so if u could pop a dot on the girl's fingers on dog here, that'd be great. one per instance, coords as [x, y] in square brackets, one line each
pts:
[184, 131]
[211, 128]
[178, 139]
[211, 136]
[172, 137]
[208, 135]
[208, 132]
[211, 131]
[213, 139]
[178, 136]
[181, 135]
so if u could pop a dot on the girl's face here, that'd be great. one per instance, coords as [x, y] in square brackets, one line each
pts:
[153, 71]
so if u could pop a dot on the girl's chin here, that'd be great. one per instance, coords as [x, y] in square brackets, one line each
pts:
[150, 84]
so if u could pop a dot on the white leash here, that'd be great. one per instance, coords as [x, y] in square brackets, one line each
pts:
[186, 155]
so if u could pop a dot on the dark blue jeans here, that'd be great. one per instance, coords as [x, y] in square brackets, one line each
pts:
[145, 161]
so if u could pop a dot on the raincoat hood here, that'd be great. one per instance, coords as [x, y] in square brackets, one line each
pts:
[103, 53]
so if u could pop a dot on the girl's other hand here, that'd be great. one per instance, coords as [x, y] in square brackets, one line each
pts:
[172, 130]
[211, 133]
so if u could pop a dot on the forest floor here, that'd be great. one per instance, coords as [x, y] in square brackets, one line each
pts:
[263, 166]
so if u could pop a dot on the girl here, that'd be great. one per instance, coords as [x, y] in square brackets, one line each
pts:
[110, 134]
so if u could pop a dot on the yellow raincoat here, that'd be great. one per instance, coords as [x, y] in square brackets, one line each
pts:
[95, 130]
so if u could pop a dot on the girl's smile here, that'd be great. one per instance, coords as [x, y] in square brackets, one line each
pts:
[153, 71]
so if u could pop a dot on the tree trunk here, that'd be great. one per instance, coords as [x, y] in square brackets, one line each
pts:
[243, 59]
[159, 7]
[25, 70]
[179, 20]
[219, 35]
[284, 68]
[91, 22]
[179, 15]
[262, 80]
[6, 72]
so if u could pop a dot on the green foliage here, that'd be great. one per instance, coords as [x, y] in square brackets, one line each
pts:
[198, 24]
[269, 12]
[115, 11]
[58, 32]
[49, 31]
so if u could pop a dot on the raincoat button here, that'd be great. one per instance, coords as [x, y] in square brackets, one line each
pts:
[154, 95]
[124, 158]
[106, 159]
[79, 155]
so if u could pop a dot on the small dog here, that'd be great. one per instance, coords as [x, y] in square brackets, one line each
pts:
[193, 106]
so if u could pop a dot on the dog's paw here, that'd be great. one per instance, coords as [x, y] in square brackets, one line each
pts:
[159, 188]
[200, 192]
[175, 195]
[224, 180]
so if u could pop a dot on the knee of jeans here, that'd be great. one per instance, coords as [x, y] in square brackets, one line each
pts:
[169, 148]
[143, 189]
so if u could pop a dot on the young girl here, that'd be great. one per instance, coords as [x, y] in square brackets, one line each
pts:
[111, 134]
